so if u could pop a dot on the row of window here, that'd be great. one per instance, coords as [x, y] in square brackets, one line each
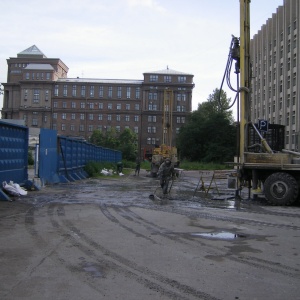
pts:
[168, 78]
[109, 117]
[38, 76]
[84, 92]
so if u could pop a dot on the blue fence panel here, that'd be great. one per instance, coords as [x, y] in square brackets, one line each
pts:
[71, 156]
[13, 153]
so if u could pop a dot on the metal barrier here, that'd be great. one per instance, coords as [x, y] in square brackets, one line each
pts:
[62, 159]
[13, 154]
[59, 158]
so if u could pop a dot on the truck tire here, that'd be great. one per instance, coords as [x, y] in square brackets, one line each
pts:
[281, 189]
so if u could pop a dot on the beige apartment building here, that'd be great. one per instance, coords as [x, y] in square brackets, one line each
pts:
[275, 53]
[38, 91]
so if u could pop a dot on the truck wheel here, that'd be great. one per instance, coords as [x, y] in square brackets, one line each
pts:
[281, 189]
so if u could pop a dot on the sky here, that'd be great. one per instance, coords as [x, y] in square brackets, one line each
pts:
[122, 39]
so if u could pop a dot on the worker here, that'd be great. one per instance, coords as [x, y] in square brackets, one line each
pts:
[137, 166]
[119, 167]
[165, 173]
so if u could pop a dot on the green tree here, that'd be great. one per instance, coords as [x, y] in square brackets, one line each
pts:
[128, 144]
[125, 141]
[209, 134]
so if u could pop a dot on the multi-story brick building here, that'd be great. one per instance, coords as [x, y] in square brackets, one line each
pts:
[275, 52]
[39, 91]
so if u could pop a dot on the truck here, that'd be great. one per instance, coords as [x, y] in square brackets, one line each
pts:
[263, 166]
[165, 150]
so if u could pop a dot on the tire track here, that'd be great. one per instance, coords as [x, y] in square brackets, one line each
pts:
[215, 251]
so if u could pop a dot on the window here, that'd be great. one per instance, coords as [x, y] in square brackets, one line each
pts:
[152, 96]
[136, 118]
[137, 93]
[127, 118]
[81, 116]
[54, 115]
[64, 116]
[91, 128]
[27, 76]
[153, 78]
[100, 105]
[55, 105]
[100, 117]
[151, 118]
[74, 90]
[118, 128]
[137, 107]
[109, 106]
[119, 106]
[56, 90]
[63, 127]
[108, 117]
[65, 91]
[46, 95]
[127, 106]
[81, 128]
[72, 127]
[118, 118]
[182, 79]
[119, 93]
[92, 91]
[73, 116]
[82, 104]
[64, 104]
[73, 104]
[91, 117]
[91, 105]
[136, 129]
[167, 78]
[82, 91]
[128, 91]
[36, 96]
[110, 92]
[100, 91]
[48, 76]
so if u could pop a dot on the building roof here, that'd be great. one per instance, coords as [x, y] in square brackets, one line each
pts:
[95, 80]
[32, 51]
[168, 71]
[39, 67]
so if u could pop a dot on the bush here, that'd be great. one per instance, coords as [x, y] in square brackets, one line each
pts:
[30, 158]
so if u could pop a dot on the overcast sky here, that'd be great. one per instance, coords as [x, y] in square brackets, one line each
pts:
[122, 39]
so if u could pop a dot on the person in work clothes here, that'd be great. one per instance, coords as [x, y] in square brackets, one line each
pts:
[165, 173]
[137, 166]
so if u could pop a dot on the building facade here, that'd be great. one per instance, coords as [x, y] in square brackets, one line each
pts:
[275, 53]
[38, 91]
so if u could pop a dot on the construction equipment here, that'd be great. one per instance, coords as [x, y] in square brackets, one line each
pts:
[277, 174]
[165, 150]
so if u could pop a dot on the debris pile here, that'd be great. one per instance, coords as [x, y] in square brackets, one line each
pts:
[13, 189]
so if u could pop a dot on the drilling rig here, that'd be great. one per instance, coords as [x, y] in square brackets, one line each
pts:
[166, 149]
[275, 173]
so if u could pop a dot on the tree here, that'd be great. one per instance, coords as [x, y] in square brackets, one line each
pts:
[125, 141]
[209, 134]
[128, 144]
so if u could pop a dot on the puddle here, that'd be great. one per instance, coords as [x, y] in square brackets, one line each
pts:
[93, 270]
[219, 235]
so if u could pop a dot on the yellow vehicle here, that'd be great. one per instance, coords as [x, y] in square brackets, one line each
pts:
[165, 150]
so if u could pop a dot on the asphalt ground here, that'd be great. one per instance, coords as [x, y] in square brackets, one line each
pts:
[105, 238]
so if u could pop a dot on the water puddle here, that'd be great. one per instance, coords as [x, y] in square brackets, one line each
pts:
[219, 235]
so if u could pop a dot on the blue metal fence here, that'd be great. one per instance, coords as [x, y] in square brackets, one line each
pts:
[60, 159]
[71, 157]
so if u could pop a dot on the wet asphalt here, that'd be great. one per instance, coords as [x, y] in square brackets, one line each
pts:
[105, 238]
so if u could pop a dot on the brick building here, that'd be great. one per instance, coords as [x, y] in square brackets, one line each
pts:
[39, 91]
